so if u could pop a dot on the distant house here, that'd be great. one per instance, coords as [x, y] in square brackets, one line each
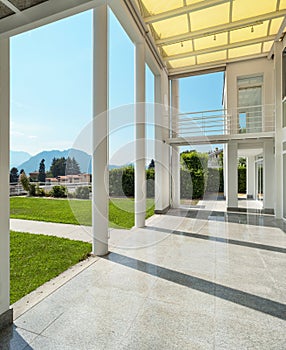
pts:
[214, 158]
[69, 179]
[51, 180]
[34, 176]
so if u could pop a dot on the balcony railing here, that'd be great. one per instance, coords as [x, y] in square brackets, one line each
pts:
[242, 120]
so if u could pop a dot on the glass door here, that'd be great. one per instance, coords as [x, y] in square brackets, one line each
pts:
[250, 109]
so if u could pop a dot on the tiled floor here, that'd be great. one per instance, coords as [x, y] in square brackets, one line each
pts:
[189, 280]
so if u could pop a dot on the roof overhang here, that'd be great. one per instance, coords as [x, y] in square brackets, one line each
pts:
[185, 36]
[197, 35]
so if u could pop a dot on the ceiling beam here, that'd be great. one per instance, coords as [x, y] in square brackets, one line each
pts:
[183, 10]
[221, 28]
[11, 6]
[44, 13]
[192, 70]
[277, 38]
[219, 48]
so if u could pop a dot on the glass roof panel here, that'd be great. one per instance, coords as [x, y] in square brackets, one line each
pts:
[186, 46]
[248, 33]
[210, 41]
[159, 6]
[209, 17]
[211, 57]
[183, 62]
[282, 5]
[247, 8]
[267, 46]
[244, 51]
[275, 25]
[191, 2]
[171, 26]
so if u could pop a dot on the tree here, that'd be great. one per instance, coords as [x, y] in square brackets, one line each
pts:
[151, 165]
[24, 181]
[42, 171]
[58, 167]
[242, 162]
[14, 176]
[72, 166]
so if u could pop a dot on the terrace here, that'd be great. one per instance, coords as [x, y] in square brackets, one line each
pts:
[185, 278]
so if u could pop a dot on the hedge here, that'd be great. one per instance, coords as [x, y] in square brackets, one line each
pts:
[194, 183]
[121, 182]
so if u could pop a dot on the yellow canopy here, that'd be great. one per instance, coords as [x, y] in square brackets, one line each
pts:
[193, 34]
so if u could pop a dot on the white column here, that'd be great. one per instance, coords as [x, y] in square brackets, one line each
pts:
[268, 183]
[250, 177]
[162, 150]
[176, 197]
[224, 169]
[278, 130]
[140, 173]
[100, 195]
[231, 174]
[5, 313]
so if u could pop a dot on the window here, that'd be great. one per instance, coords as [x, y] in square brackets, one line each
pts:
[250, 104]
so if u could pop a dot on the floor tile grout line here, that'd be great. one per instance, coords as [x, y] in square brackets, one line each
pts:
[57, 288]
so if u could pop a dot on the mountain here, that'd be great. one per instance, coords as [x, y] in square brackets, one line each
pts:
[81, 157]
[18, 157]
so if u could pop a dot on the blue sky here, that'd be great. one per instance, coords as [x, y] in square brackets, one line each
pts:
[51, 85]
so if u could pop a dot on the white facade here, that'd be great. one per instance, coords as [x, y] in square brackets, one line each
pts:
[271, 145]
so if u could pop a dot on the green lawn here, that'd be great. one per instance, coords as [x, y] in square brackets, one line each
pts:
[35, 259]
[77, 212]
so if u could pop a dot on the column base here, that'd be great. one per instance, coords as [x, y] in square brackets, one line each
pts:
[6, 319]
[162, 211]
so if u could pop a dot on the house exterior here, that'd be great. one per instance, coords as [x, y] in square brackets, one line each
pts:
[69, 179]
[245, 39]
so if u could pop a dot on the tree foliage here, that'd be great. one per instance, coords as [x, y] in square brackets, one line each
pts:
[72, 166]
[14, 176]
[62, 166]
[42, 171]
[24, 181]
[58, 167]
[152, 164]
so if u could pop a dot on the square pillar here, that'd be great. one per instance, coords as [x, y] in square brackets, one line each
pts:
[6, 314]
[231, 175]
[176, 165]
[268, 183]
[100, 187]
[250, 177]
[140, 168]
[162, 150]
[278, 166]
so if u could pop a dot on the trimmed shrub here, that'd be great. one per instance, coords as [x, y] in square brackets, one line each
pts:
[32, 190]
[241, 179]
[121, 182]
[59, 192]
[82, 192]
[192, 184]
[194, 160]
[40, 191]
[150, 177]
[215, 180]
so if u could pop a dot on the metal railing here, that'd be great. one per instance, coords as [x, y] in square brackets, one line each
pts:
[242, 120]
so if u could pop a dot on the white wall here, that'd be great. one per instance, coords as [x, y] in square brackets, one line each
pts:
[246, 68]
[250, 67]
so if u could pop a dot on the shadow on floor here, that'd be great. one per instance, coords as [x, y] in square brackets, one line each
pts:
[248, 300]
[218, 239]
[11, 339]
[236, 218]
